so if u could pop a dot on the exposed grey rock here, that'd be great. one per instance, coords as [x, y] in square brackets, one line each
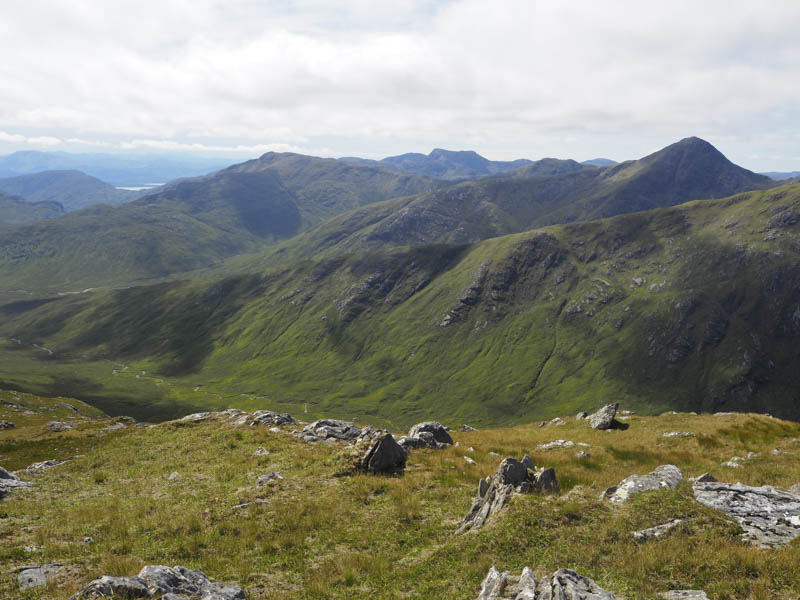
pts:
[261, 452]
[383, 454]
[582, 454]
[467, 428]
[9, 482]
[560, 444]
[557, 421]
[769, 517]
[6, 424]
[424, 439]
[736, 461]
[269, 418]
[665, 476]
[114, 587]
[604, 418]
[563, 584]
[581, 415]
[268, 478]
[257, 502]
[329, 429]
[469, 460]
[795, 489]
[58, 426]
[199, 417]
[88, 540]
[684, 595]
[672, 434]
[158, 581]
[655, 532]
[36, 575]
[114, 427]
[46, 464]
[512, 476]
[173, 476]
[492, 453]
[703, 478]
[723, 414]
[434, 427]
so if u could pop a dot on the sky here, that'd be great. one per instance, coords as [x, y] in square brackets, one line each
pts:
[507, 78]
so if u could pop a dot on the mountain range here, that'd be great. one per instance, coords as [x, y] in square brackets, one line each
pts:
[490, 300]
[16, 211]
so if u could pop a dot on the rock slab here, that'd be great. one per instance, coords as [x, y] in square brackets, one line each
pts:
[769, 517]
[663, 477]
[329, 429]
[157, 581]
[604, 418]
[36, 575]
[655, 532]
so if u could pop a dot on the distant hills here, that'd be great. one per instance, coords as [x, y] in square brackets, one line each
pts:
[475, 210]
[16, 211]
[446, 164]
[599, 162]
[72, 189]
[194, 223]
[116, 169]
[778, 175]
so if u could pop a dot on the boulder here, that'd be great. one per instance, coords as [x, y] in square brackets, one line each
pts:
[512, 476]
[158, 581]
[383, 455]
[604, 418]
[438, 430]
[560, 444]
[684, 595]
[329, 429]
[6, 424]
[267, 418]
[424, 439]
[665, 476]
[655, 532]
[36, 575]
[703, 478]
[563, 584]
[9, 482]
[769, 517]
[467, 428]
[58, 426]
[269, 478]
[581, 415]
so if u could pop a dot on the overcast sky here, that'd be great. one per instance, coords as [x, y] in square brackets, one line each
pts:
[510, 79]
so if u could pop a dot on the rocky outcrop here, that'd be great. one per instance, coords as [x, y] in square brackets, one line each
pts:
[266, 418]
[604, 418]
[440, 434]
[9, 482]
[665, 476]
[563, 584]
[736, 462]
[329, 429]
[158, 582]
[655, 532]
[512, 476]
[45, 464]
[769, 517]
[58, 426]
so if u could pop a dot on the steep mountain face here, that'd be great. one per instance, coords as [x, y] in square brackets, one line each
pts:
[447, 164]
[690, 307]
[471, 211]
[72, 189]
[15, 211]
[193, 223]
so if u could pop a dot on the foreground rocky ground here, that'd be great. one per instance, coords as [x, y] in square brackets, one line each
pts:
[261, 506]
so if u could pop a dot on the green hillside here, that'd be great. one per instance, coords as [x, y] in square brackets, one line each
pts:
[72, 189]
[693, 307]
[16, 211]
[192, 223]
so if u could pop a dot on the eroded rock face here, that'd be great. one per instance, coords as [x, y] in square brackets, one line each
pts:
[604, 418]
[563, 584]
[158, 581]
[440, 434]
[329, 429]
[769, 517]
[665, 476]
[512, 476]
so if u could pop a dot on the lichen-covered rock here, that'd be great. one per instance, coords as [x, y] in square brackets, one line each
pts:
[665, 476]
[440, 434]
[157, 581]
[769, 517]
[563, 584]
[512, 476]
[604, 418]
[329, 429]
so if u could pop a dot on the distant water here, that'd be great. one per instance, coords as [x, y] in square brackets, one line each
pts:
[139, 188]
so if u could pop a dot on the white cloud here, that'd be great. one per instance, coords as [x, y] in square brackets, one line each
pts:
[44, 141]
[519, 77]
[11, 137]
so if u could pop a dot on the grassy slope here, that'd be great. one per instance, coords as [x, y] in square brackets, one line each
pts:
[323, 536]
[693, 307]
[15, 211]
